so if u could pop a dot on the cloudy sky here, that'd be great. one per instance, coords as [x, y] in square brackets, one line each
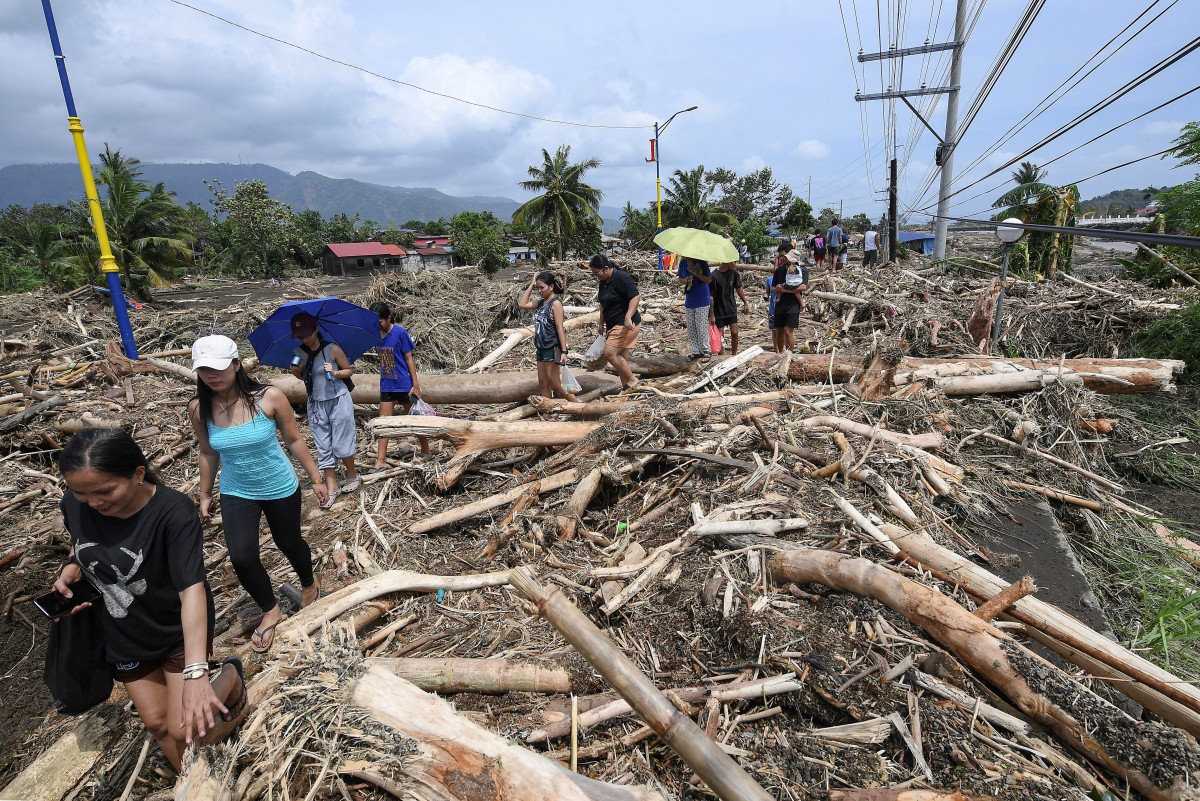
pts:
[774, 81]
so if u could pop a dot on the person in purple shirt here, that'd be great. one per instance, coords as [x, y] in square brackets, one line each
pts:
[695, 276]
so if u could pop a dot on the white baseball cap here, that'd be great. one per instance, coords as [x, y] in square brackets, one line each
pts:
[215, 351]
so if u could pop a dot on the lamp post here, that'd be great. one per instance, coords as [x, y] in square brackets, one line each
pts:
[1009, 236]
[658, 129]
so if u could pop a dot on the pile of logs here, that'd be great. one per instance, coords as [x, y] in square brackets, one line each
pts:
[758, 576]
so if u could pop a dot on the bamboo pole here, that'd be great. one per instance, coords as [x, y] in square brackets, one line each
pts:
[702, 755]
[490, 676]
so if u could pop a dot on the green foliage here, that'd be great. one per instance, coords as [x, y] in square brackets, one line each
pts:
[798, 218]
[565, 201]
[258, 232]
[1187, 145]
[1043, 204]
[754, 233]
[755, 194]
[476, 237]
[584, 242]
[638, 227]
[1180, 208]
[1120, 202]
[1175, 336]
[438, 227]
[859, 222]
[688, 203]
[147, 229]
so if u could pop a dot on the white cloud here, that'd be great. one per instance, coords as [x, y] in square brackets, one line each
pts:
[1001, 157]
[812, 149]
[1162, 128]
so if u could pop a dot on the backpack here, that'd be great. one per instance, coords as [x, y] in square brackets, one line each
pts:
[307, 372]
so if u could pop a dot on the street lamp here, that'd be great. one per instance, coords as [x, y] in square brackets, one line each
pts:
[658, 129]
[1009, 236]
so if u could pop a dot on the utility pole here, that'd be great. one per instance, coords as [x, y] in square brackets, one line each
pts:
[893, 214]
[951, 140]
[839, 209]
[945, 151]
[810, 191]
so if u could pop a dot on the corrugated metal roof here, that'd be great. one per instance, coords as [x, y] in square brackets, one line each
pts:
[350, 250]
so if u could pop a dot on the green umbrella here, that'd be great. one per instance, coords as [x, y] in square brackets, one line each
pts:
[696, 244]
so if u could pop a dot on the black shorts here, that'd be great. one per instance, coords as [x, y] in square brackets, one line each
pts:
[787, 318]
[870, 256]
[402, 398]
[725, 322]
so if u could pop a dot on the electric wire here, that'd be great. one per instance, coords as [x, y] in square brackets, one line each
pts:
[1042, 106]
[399, 82]
[1019, 32]
[1096, 108]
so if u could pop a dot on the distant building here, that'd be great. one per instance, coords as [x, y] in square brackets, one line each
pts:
[919, 241]
[341, 258]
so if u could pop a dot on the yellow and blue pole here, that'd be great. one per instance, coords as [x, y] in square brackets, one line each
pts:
[658, 191]
[108, 264]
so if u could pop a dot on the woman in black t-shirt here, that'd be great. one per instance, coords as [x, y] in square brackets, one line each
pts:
[140, 544]
[620, 320]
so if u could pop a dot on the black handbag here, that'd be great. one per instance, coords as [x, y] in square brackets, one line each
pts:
[77, 673]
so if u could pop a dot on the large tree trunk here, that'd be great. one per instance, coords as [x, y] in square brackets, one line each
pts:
[1134, 750]
[464, 761]
[970, 376]
[476, 437]
[59, 768]
[524, 334]
[484, 388]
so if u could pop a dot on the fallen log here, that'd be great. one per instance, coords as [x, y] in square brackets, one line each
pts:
[892, 794]
[1160, 691]
[716, 768]
[56, 771]
[932, 440]
[601, 408]
[474, 438]
[547, 484]
[464, 761]
[1158, 761]
[489, 676]
[483, 388]
[990, 374]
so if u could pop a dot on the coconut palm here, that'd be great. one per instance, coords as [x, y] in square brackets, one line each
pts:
[1030, 185]
[147, 229]
[52, 254]
[688, 203]
[564, 200]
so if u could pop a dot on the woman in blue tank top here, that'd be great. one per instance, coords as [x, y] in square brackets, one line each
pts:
[237, 421]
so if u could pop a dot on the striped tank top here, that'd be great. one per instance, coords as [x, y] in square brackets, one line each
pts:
[253, 464]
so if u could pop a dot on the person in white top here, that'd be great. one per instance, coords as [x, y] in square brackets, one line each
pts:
[870, 247]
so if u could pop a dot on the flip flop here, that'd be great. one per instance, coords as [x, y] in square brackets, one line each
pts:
[316, 597]
[262, 636]
[239, 706]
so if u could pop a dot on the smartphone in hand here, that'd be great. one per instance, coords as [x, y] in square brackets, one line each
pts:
[53, 605]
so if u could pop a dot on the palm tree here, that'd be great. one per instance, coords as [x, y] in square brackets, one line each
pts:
[564, 197]
[51, 253]
[688, 203]
[1030, 180]
[147, 229]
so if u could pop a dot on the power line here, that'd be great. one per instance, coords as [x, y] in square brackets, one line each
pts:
[1044, 105]
[389, 79]
[1091, 112]
[1001, 63]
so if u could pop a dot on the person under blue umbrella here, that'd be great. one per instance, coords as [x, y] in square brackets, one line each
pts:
[330, 408]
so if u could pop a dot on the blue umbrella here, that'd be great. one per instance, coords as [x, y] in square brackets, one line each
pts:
[352, 327]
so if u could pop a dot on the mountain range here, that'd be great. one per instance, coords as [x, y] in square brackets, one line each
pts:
[29, 184]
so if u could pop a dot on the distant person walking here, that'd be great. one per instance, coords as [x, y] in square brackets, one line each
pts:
[549, 335]
[818, 248]
[836, 244]
[870, 247]
[620, 320]
[725, 282]
[744, 253]
[397, 377]
[237, 422]
[330, 409]
[695, 276]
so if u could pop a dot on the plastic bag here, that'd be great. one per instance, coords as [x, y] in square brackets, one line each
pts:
[715, 341]
[569, 382]
[421, 407]
[596, 351]
[77, 672]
